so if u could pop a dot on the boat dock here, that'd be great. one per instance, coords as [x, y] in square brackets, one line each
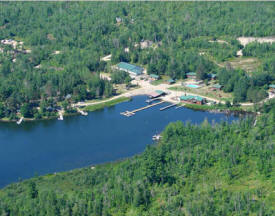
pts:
[153, 99]
[131, 113]
[167, 107]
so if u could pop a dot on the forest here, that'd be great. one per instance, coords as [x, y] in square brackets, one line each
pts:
[60, 46]
[207, 169]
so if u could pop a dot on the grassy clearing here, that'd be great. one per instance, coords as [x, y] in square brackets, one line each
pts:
[248, 64]
[212, 107]
[106, 104]
[205, 91]
[160, 81]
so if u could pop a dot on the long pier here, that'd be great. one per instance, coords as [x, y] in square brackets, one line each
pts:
[167, 107]
[131, 113]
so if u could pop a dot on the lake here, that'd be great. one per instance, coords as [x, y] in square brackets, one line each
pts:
[41, 147]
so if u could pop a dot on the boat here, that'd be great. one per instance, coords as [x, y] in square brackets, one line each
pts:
[82, 112]
[20, 121]
[60, 117]
[156, 137]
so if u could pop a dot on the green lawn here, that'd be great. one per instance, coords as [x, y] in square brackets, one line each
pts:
[106, 104]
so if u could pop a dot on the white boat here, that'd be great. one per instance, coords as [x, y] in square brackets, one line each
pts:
[82, 112]
[156, 137]
[20, 121]
[60, 117]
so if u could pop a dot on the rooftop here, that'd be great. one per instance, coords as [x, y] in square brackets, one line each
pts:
[171, 81]
[217, 86]
[159, 92]
[129, 67]
[191, 74]
[272, 86]
[212, 75]
[154, 76]
[191, 97]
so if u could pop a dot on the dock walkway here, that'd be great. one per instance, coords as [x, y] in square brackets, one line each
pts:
[131, 113]
[167, 107]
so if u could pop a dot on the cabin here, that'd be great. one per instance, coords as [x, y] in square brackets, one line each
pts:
[154, 76]
[193, 99]
[156, 94]
[171, 81]
[216, 87]
[191, 75]
[212, 76]
[146, 44]
[118, 19]
[272, 88]
[129, 68]
[68, 97]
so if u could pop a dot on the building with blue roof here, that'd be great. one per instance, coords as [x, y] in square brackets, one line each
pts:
[171, 81]
[193, 99]
[131, 69]
[154, 76]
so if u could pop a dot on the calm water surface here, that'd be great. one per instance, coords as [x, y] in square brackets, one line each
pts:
[51, 146]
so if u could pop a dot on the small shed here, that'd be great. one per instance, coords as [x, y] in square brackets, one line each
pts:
[118, 20]
[272, 88]
[216, 87]
[171, 81]
[145, 44]
[154, 76]
[212, 76]
[68, 96]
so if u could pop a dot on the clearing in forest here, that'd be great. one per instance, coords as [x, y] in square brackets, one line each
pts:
[245, 63]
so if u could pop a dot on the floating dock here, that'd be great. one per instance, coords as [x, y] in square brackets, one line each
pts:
[131, 113]
[167, 107]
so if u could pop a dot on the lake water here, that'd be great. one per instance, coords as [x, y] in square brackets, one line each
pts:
[51, 146]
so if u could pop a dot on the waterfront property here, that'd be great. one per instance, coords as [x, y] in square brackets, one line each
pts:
[191, 75]
[131, 113]
[216, 87]
[81, 141]
[129, 68]
[191, 99]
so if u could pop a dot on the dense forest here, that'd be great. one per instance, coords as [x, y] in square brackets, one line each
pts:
[222, 169]
[60, 46]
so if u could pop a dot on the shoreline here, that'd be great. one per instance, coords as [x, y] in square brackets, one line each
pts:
[120, 99]
[103, 104]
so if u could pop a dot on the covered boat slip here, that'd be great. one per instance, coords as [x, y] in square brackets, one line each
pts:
[156, 94]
